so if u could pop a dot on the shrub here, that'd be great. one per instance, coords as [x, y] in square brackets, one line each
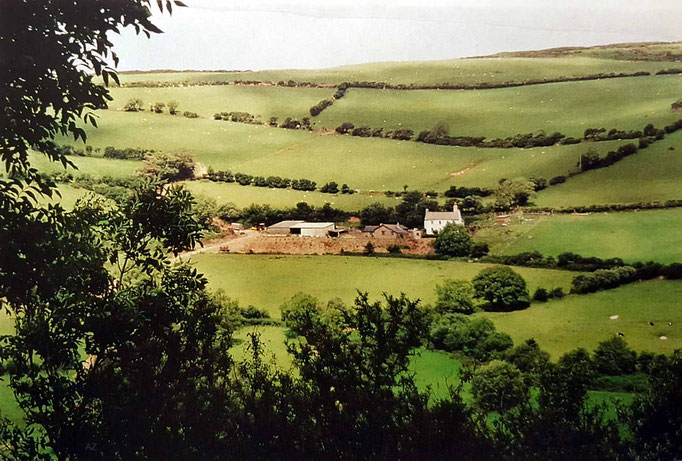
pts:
[299, 312]
[499, 388]
[455, 297]
[158, 107]
[502, 288]
[527, 357]
[478, 250]
[345, 128]
[394, 249]
[614, 357]
[453, 240]
[175, 166]
[602, 279]
[330, 188]
[369, 248]
[173, 107]
[477, 338]
[557, 180]
[540, 295]
[189, 114]
[134, 105]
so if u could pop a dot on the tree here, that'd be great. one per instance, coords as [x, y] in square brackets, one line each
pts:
[502, 288]
[330, 188]
[499, 388]
[655, 417]
[455, 296]
[173, 107]
[614, 357]
[173, 166]
[513, 192]
[377, 213]
[527, 357]
[134, 105]
[453, 240]
[300, 312]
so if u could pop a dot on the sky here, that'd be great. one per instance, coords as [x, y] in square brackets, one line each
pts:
[286, 34]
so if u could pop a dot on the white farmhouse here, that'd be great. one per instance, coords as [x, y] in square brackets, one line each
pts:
[435, 221]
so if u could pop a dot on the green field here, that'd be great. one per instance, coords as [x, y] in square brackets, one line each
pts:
[267, 281]
[457, 71]
[243, 196]
[97, 166]
[362, 163]
[654, 173]
[570, 108]
[583, 321]
[633, 236]
[207, 100]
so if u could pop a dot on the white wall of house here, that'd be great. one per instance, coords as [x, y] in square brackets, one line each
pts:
[435, 226]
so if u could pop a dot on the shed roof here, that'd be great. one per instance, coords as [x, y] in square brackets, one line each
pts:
[312, 225]
[285, 224]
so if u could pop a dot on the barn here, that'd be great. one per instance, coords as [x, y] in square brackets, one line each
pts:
[282, 227]
[312, 229]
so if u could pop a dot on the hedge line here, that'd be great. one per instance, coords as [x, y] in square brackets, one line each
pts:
[322, 105]
[411, 86]
[276, 182]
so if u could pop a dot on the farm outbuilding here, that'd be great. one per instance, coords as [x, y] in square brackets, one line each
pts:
[312, 229]
[282, 227]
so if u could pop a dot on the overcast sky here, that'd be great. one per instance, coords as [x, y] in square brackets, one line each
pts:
[280, 34]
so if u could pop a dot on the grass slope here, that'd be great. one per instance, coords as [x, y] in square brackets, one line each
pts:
[268, 281]
[362, 163]
[633, 236]
[208, 100]
[243, 196]
[583, 321]
[570, 108]
[460, 71]
[652, 174]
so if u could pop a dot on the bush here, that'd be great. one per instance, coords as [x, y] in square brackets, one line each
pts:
[455, 297]
[299, 312]
[158, 107]
[499, 388]
[602, 279]
[614, 357]
[540, 295]
[134, 105]
[478, 250]
[345, 128]
[189, 114]
[557, 180]
[330, 188]
[174, 166]
[127, 153]
[369, 248]
[502, 288]
[477, 338]
[453, 240]
[527, 357]
[394, 249]
[173, 107]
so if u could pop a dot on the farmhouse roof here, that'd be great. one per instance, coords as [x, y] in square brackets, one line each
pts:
[369, 228]
[312, 225]
[284, 224]
[397, 228]
[454, 215]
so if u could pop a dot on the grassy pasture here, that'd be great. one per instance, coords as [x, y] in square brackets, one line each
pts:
[570, 107]
[459, 71]
[654, 173]
[267, 281]
[633, 236]
[362, 163]
[97, 166]
[243, 196]
[583, 321]
[208, 100]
